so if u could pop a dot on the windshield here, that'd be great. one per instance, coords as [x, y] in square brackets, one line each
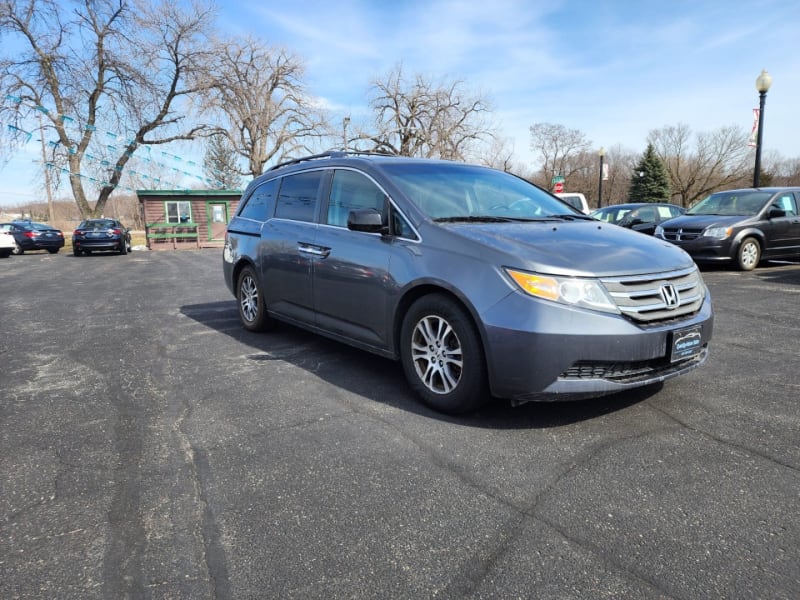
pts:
[741, 203]
[447, 192]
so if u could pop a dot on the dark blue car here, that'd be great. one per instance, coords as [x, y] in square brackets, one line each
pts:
[103, 235]
[30, 235]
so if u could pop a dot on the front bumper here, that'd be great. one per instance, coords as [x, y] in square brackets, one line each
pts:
[706, 249]
[538, 350]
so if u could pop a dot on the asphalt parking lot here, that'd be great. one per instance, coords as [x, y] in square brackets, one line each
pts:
[151, 448]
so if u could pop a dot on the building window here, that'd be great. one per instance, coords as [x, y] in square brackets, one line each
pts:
[178, 212]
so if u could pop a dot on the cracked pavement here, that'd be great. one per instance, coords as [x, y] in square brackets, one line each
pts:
[151, 448]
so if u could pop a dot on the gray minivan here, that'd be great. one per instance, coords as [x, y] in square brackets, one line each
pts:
[480, 283]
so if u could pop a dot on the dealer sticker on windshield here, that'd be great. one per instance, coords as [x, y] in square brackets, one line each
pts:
[686, 343]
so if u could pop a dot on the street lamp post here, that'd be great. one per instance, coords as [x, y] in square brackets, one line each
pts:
[763, 82]
[345, 123]
[602, 154]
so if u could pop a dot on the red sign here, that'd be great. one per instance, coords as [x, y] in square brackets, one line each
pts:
[559, 187]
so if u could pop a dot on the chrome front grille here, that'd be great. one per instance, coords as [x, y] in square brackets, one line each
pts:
[674, 234]
[658, 297]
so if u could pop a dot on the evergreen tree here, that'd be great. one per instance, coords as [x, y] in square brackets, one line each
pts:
[649, 182]
[219, 164]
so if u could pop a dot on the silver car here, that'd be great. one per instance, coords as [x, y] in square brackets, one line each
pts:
[480, 283]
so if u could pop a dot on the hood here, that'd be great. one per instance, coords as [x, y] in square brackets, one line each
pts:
[703, 221]
[586, 248]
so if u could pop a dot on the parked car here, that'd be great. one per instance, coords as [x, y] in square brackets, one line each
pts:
[101, 235]
[639, 216]
[7, 243]
[739, 226]
[480, 283]
[30, 235]
[575, 200]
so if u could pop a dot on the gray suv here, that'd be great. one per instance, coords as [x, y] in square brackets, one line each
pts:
[480, 283]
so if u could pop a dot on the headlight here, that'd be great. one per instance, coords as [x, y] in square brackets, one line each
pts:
[575, 291]
[719, 233]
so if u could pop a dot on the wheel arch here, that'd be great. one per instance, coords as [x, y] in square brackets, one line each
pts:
[424, 289]
[750, 232]
[244, 261]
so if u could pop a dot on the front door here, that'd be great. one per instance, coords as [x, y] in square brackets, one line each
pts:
[217, 220]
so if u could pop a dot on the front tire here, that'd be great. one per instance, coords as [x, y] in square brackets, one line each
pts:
[252, 311]
[442, 355]
[749, 254]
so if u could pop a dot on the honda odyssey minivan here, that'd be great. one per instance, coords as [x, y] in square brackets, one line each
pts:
[478, 282]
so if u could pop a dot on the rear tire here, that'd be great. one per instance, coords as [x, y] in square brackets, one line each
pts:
[749, 254]
[442, 355]
[252, 311]
[123, 248]
[53, 250]
[76, 252]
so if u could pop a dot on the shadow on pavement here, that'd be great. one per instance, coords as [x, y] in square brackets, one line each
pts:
[381, 380]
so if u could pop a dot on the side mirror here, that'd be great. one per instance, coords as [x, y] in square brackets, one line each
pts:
[775, 212]
[366, 219]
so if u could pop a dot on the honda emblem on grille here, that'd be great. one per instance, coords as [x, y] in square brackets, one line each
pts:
[670, 295]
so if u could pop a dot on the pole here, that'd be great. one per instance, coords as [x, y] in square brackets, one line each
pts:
[600, 184]
[757, 172]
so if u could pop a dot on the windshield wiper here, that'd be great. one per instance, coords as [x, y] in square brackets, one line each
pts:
[474, 219]
[573, 217]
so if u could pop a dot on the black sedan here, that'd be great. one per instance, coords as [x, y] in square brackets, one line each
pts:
[643, 217]
[107, 235]
[30, 235]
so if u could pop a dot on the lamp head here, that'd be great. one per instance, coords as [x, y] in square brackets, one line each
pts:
[763, 82]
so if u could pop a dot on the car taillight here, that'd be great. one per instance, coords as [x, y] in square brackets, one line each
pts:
[116, 231]
[77, 232]
[31, 234]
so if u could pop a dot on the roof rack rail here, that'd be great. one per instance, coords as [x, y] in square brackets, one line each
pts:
[329, 154]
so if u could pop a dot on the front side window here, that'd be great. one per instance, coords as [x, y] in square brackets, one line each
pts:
[178, 212]
[352, 191]
[297, 199]
[787, 203]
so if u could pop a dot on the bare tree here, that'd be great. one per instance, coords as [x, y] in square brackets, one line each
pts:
[781, 171]
[103, 66]
[558, 148]
[715, 160]
[423, 118]
[259, 92]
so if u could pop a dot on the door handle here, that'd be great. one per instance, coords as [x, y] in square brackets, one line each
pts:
[320, 251]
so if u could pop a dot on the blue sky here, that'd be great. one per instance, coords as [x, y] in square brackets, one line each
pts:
[613, 70]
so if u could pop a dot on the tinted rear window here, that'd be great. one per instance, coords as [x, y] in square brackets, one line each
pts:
[261, 203]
